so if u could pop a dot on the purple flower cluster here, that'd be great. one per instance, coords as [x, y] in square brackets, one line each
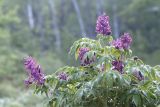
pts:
[85, 60]
[118, 65]
[34, 71]
[102, 25]
[123, 42]
[138, 75]
[63, 76]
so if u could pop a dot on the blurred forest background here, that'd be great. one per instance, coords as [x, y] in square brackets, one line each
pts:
[45, 29]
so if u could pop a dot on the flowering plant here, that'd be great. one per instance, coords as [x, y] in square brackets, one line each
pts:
[108, 75]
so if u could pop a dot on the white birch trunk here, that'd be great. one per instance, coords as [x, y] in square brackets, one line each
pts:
[30, 16]
[79, 17]
[41, 32]
[55, 26]
[115, 19]
[99, 7]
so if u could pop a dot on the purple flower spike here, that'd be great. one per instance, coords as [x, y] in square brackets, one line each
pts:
[63, 76]
[34, 71]
[126, 40]
[85, 61]
[118, 65]
[102, 25]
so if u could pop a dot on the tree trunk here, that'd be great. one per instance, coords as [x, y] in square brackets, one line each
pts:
[115, 18]
[80, 20]
[62, 15]
[55, 26]
[99, 7]
[41, 33]
[30, 16]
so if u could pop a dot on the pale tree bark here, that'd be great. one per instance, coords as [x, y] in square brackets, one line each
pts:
[41, 32]
[30, 16]
[62, 11]
[39, 26]
[55, 26]
[99, 7]
[88, 23]
[115, 18]
[79, 17]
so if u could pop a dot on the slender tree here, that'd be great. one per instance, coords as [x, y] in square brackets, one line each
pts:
[99, 7]
[41, 32]
[115, 19]
[30, 15]
[62, 11]
[79, 17]
[55, 26]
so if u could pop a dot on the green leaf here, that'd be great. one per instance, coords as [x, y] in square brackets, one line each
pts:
[137, 100]
[109, 79]
[151, 95]
[127, 79]
[157, 67]
[76, 54]
[153, 74]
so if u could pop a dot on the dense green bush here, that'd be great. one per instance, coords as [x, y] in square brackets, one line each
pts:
[108, 75]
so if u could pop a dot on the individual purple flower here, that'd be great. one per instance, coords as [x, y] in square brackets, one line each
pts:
[117, 44]
[118, 65]
[85, 60]
[138, 75]
[102, 25]
[63, 76]
[126, 40]
[34, 71]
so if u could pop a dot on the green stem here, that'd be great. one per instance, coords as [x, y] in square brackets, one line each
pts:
[114, 105]
[99, 41]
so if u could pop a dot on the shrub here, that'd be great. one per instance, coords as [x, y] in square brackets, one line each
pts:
[108, 75]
